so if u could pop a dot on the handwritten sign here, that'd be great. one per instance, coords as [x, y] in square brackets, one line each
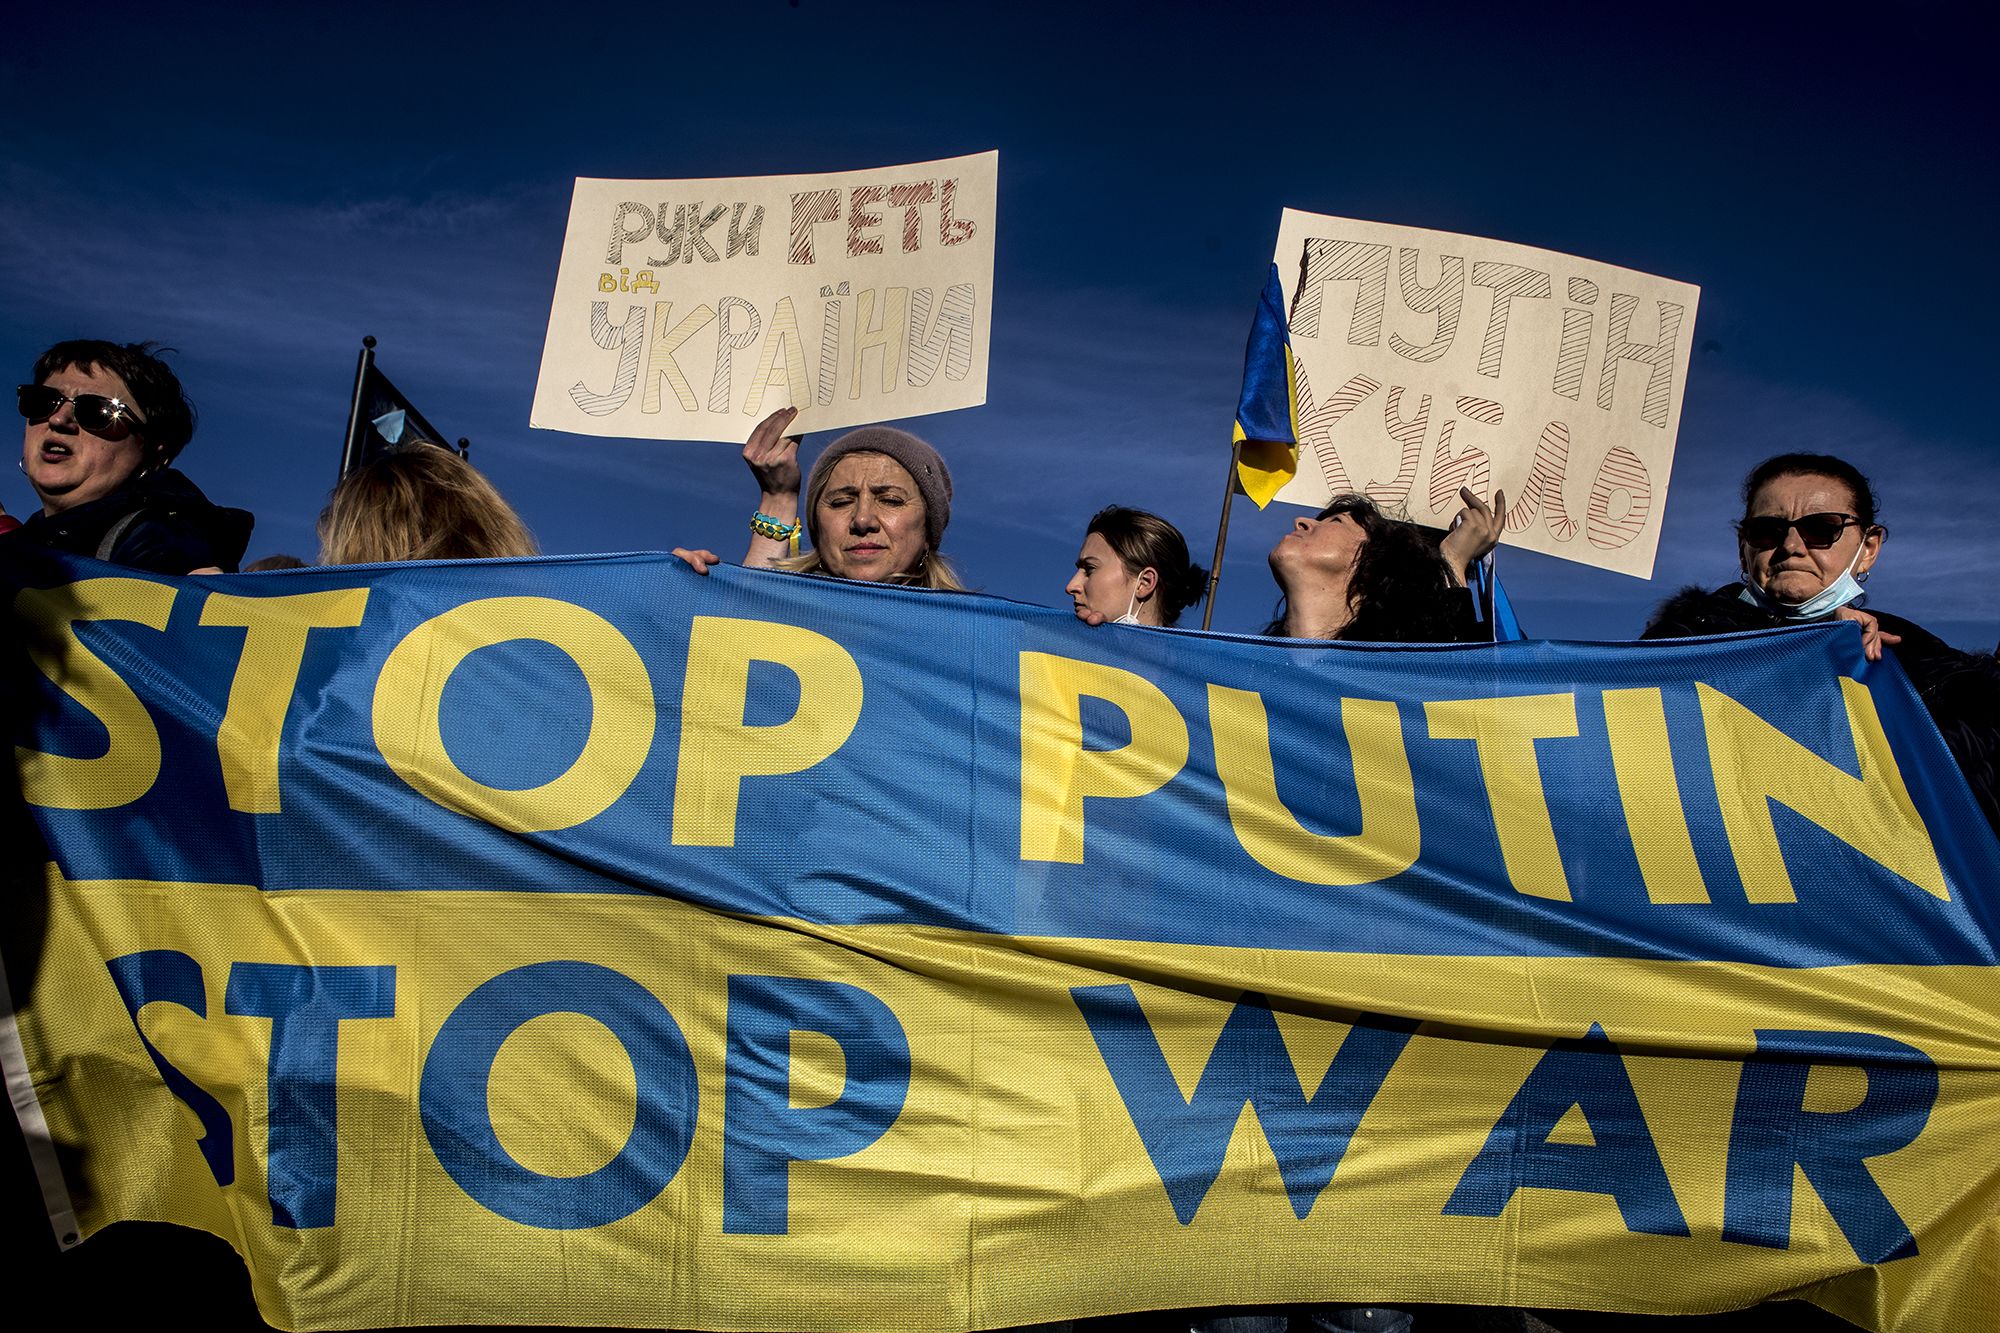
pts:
[688, 310]
[1428, 361]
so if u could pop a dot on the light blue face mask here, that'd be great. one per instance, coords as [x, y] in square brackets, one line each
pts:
[1843, 591]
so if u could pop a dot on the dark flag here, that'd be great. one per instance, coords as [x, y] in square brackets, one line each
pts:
[382, 418]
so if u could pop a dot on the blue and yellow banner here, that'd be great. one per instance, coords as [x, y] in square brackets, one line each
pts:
[586, 941]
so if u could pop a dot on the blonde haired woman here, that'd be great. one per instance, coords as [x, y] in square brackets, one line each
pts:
[420, 502]
[875, 507]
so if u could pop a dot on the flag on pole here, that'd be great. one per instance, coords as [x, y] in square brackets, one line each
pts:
[382, 418]
[1267, 414]
[389, 419]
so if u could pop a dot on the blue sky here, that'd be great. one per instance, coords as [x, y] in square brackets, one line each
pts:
[260, 189]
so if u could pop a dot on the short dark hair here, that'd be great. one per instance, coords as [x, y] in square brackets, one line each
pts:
[1146, 541]
[1813, 465]
[156, 391]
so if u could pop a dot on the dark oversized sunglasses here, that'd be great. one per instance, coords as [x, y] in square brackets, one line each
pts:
[1819, 531]
[107, 418]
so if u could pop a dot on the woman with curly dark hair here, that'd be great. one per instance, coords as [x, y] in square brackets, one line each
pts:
[1352, 572]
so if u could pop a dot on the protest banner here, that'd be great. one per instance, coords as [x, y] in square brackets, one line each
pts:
[1427, 361]
[584, 941]
[689, 310]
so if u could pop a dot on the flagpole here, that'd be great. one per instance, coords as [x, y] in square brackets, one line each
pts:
[1222, 532]
[350, 454]
[1489, 597]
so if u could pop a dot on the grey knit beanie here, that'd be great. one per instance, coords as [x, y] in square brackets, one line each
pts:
[921, 461]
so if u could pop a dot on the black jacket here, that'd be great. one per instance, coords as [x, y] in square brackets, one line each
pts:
[160, 522]
[1960, 690]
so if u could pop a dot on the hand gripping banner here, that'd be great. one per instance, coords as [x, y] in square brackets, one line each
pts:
[585, 941]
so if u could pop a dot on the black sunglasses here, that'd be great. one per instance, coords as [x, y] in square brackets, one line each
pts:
[1819, 531]
[107, 418]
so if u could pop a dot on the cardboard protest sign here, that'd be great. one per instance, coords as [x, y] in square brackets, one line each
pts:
[1426, 361]
[689, 310]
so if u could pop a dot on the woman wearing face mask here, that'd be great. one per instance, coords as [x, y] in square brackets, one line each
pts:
[876, 507]
[1133, 570]
[1807, 541]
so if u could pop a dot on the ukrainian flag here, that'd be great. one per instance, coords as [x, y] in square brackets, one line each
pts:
[1267, 414]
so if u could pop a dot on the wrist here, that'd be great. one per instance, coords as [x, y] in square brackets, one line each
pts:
[777, 528]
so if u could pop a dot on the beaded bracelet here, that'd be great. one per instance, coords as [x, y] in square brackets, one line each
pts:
[765, 526]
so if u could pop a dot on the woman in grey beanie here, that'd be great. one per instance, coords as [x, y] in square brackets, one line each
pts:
[876, 506]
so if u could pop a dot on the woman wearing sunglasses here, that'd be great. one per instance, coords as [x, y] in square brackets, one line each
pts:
[1806, 543]
[104, 424]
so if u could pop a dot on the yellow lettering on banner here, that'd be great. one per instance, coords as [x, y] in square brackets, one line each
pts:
[1505, 730]
[718, 749]
[411, 688]
[131, 760]
[1643, 759]
[1756, 764]
[1057, 773]
[1389, 839]
[266, 674]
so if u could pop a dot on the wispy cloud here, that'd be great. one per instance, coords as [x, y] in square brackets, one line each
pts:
[280, 279]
